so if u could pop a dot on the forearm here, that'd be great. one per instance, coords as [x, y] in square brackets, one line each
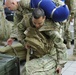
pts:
[14, 32]
[59, 46]
[61, 51]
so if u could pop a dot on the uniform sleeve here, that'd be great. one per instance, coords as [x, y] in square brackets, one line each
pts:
[26, 5]
[21, 28]
[14, 30]
[59, 46]
[18, 29]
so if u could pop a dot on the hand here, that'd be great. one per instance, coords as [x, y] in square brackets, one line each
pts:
[10, 41]
[27, 46]
[59, 69]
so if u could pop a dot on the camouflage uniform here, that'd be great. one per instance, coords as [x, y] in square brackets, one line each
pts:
[19, 23]
[64, 28]
[74, 10]
[46, 40]
[21, 20]
[66, 34]
[5, 26]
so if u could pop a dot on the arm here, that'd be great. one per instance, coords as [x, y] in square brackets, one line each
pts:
[22, 26]
[59, 47]
[14, 31]
[58, 44]
[18, 28]
[21, 35]
[19, 23]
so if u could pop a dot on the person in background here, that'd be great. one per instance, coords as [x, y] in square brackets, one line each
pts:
[5, 26]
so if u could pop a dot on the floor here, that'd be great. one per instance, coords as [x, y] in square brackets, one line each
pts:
[70, 66]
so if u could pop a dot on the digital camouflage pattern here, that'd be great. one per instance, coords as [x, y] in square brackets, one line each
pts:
[46, 40]
[5, 31]
[19, 23]
[42, 66]
[16, 49]
[73, 9]
[64, 28]
[65, 32]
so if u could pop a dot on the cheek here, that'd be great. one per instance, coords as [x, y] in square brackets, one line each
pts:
[36, 25]
[40, 25]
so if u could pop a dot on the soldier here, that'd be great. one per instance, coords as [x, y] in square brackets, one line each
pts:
[58, 3]
[5, 31]
[41, 39]
[5, 26]
[22, 9]
[73, 9]
[66, 33]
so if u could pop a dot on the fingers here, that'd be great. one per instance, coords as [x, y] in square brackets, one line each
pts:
[59, 69]
[10, 41]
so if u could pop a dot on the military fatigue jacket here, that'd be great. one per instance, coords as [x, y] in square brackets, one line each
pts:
[53, 43]
[19, 22]
[5, 26]
[20, 26]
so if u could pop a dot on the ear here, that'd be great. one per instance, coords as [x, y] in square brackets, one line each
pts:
[44, 17]
[12, 3]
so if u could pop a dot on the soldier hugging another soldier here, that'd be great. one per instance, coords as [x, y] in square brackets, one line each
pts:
[40, 36]
[46, 44]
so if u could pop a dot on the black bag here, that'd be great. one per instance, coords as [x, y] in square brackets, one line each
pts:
[9, 65]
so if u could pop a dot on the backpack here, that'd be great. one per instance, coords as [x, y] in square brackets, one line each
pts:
[36, 40]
